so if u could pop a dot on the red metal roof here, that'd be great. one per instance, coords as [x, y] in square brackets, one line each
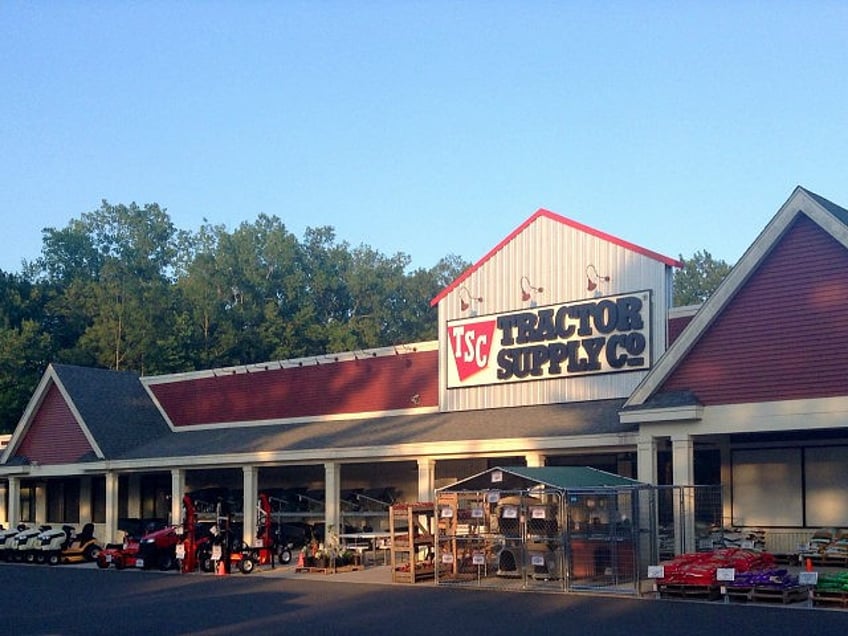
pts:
[781, 337]
[371, 384]
[541, 212]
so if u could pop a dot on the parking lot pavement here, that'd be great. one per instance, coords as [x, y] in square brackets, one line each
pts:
[71, 600]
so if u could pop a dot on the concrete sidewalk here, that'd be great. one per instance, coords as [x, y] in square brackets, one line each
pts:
[374, 574]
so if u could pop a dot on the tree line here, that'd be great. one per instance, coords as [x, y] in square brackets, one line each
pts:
[121, 287]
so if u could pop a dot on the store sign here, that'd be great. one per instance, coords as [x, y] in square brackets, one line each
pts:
[601, 335]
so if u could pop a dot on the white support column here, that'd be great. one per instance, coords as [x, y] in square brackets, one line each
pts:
[426, 478]
[134, 495]
[646, 460]
[683, 472]
[85, 515]
[111, 531]
[41, 503]
[251, 497]
[646, 472]
[332, 495]
[178, 482]
[535, 460]
[4, 510]
[726, 481]
[13, 514]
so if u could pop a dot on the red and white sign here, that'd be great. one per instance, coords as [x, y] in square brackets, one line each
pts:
[600, 335]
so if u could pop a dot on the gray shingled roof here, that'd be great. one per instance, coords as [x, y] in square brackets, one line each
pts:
[667, 399]
[835, 210]
[583, 418]
[114, 406]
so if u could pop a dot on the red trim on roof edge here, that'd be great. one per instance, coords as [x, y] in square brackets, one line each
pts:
[541, 212]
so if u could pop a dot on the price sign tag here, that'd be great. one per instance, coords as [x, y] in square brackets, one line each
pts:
[497, 477]
[447, 513]
[216, 553]
[725, 574]
[656, 572]
[537, 560]
[537, 512]
[476, 513]
[510, 512]
[493, 496]
[808, 578]
[478, 559]
[447, 557]
[180, 551]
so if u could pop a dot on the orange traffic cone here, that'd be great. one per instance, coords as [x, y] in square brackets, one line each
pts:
[809, 565]
[301, 562]
[220, 570]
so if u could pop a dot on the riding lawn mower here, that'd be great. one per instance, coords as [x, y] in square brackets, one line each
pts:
[67, 546]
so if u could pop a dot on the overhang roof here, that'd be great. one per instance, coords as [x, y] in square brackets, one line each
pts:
[556, 477]
[357, 435]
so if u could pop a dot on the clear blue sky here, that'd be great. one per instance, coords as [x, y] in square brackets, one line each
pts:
[429, 128]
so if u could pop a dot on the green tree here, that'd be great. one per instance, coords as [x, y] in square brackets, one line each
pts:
[698, 278]
[25, 348]
[111, 270]
[25, 352]
[242, 291]
[121, 287]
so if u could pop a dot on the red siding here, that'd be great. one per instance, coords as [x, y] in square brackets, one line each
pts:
[383, 383]
[54, 437]
[676, 327]
[782, 337]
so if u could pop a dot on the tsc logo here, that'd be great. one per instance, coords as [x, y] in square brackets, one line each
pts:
[471, 344]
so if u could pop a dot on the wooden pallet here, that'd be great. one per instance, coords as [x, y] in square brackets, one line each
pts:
[781, 595]
[838, 599]
[739, 594]
[328, 570]
[834, 561]
[707, 592]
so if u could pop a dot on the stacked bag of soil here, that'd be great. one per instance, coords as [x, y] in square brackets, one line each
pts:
[699, 568]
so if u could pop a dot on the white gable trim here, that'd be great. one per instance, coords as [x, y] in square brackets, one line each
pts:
[800, 202]
[49, 378]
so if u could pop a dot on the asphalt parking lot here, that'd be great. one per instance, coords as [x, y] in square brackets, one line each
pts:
[80, 599]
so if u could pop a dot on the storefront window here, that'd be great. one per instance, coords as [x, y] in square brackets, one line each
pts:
[98, 499]
[63, 501]
[27, 503]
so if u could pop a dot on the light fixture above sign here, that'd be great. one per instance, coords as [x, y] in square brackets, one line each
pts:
[594, 279]
[528, 291]
[466, 299]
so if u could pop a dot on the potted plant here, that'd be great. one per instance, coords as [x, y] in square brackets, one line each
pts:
[332, 547]
[322, 559]
[348, 557]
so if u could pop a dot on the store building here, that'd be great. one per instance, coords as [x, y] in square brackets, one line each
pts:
[558, 348]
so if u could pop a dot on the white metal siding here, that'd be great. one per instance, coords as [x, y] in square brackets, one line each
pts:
[553, 256]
